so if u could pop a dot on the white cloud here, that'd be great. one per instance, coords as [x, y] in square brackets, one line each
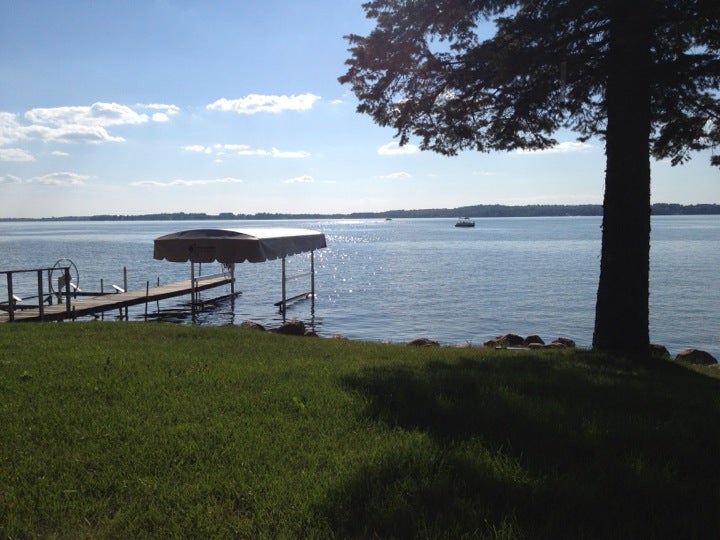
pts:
[253, 152]
[297, 154]
[245, 150]
[170, 110]
[394, 149]
[97, 114]
[59, 153]
[197, 148]
[396, 176]
[187, 183]
[60, 179]
[305, 179]
[560, 148]
[164, 112]
[255, 103]
[240, 149]
[15, 154]
[233, 147]
[71, 133]
[76, 124]
[9, 128]
[10, 179]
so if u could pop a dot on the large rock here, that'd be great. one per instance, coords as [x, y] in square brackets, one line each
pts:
[252, 325]
[563, 342]
[534, 340]
[659, 351]
[292, 328]
[424, 342]
[696, 356]
[508, 340]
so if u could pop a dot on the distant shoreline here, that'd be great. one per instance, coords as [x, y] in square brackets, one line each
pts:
[477, 211]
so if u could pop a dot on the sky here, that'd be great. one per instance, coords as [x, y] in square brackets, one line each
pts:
[130, 107]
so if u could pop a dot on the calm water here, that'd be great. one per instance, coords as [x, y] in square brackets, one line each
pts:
[402, 279]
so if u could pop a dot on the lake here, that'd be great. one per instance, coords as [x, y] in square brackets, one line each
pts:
[406, 278]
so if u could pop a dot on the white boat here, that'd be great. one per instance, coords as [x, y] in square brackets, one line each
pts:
[465, 222]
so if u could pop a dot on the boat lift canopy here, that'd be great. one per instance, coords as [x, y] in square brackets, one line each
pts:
[230, 246]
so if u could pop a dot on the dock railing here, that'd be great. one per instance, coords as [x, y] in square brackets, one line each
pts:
[63, 282]
[16, 309]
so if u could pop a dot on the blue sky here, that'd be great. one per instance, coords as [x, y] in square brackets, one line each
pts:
[135, 107]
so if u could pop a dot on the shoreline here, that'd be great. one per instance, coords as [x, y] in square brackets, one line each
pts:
[475, 211]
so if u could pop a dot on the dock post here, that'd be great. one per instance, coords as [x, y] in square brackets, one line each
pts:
[41, 300]
[126, 288]
[283, 306]
[147, 293]
[50, 287]
[312, 281]
[11, 300]
[68, 300]
[312, 273]
[192, 289]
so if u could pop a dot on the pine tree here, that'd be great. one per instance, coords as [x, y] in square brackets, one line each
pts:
[642, 75]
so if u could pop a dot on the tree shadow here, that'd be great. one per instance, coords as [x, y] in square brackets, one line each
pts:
[521, 447]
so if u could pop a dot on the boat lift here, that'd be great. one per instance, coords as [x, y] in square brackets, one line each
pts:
[231, 246]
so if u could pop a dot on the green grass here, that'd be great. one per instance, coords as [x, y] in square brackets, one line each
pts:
[139, 430]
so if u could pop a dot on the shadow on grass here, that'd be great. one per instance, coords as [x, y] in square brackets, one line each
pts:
[535, 448]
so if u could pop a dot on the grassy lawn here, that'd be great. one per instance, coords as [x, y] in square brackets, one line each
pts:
[138, 430]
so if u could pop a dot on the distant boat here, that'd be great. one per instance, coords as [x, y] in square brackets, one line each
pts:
[465, 222]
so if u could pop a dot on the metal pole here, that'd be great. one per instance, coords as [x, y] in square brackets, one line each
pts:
[41, 300]
[147, 292]
[11, 300]
[192, 288]
[282, 305]
[312, 273]
[312, 282]
[126, 288]
[67, 291]
[50, 287]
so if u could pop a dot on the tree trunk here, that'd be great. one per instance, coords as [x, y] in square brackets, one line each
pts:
[622, 314]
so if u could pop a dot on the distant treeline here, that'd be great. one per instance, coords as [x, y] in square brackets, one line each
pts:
[477, 211]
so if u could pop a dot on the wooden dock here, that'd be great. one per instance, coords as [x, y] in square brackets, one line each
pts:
[84, 306]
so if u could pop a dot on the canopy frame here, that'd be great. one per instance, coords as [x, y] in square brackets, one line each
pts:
[230, 246]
